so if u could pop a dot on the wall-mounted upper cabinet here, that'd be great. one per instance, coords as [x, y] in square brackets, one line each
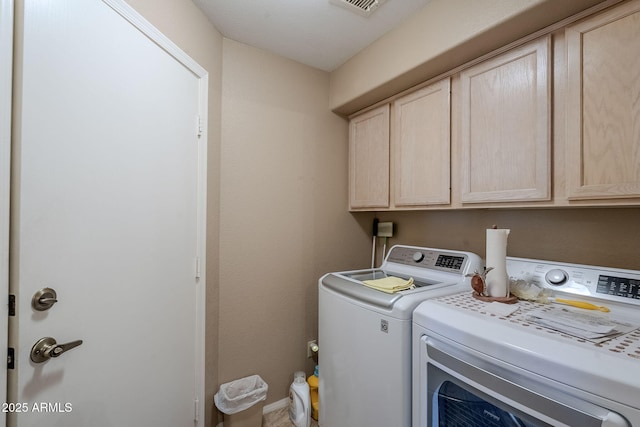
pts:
[421, 147]
[505, 134]
[603, 105]
[369, 159]
[483, 135]
[402, 161]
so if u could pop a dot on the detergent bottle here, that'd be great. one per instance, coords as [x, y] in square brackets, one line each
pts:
[299, 408]
[313, 392]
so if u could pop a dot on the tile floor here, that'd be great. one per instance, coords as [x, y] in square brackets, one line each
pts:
[280, 418]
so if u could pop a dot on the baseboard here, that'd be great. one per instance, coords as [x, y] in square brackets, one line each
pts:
[282, 403]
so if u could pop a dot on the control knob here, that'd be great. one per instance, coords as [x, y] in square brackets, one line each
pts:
[556, 276]
[418, 256]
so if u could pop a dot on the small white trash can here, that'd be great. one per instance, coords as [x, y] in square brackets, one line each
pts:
[242, 401]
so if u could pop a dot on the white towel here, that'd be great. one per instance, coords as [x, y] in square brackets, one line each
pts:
[390, 284]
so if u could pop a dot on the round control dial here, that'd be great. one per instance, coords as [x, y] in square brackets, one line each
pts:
[556, 277]
[418, 256]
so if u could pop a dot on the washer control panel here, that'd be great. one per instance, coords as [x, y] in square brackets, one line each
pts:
[595, 282]
[435, 259]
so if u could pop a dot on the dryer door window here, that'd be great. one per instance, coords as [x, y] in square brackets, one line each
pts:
[456, 406]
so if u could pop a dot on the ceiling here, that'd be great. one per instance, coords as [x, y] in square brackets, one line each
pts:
[318, 33]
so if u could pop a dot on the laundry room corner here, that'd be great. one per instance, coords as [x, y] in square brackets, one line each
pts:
[283, 213]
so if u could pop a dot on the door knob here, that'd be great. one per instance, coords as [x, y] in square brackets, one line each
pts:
[44, 299]
[46, 348]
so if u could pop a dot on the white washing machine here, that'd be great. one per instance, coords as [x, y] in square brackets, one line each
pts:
[365, 335]
[541, 365]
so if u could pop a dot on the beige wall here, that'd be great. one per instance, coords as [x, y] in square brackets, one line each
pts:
[443, 35]
[596, 236]
[283, 213]
[183, 23]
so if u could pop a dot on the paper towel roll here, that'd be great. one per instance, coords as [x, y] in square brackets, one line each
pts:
[497, 279]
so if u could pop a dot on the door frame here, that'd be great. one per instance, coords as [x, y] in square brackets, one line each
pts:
[6, 79]
[7, 9]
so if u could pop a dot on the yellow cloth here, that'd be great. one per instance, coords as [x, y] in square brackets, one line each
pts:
[390, 284]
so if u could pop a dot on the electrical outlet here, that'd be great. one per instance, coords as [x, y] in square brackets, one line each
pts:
[312, 348]
[385, 229]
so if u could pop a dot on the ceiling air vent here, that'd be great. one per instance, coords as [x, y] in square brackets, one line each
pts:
[362, 7]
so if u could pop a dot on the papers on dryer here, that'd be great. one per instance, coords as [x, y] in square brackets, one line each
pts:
[589, 326]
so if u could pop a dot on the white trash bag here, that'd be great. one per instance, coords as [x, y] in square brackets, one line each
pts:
[238, 395]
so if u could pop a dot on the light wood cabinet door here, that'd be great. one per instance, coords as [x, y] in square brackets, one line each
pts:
[505, 132]
[369, 159]
[420, 147]
[603, 105]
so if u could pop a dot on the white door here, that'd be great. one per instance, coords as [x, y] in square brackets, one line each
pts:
[107, 210]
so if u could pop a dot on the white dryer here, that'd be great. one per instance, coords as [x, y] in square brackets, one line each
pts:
[365, 334]
[534, 365]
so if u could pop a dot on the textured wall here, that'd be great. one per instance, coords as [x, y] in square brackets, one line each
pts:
[596, 236]
[283, 213]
